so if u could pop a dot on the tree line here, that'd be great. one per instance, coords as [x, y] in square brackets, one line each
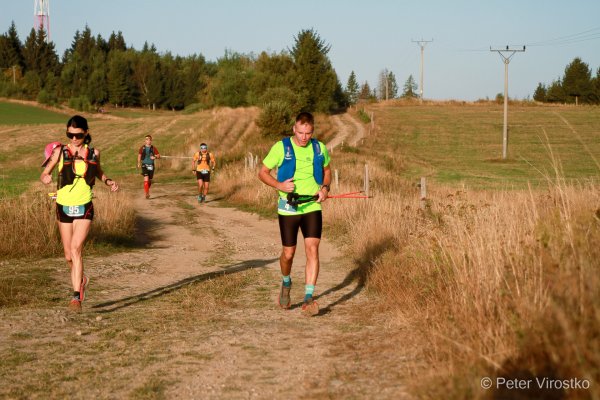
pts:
[95, 71]
[576, 86]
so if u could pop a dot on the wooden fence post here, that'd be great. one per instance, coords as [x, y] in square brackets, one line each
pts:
[423, 193]
[367, 180]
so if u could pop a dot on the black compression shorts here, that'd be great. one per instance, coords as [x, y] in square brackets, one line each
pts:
[310, 224]
[87, 212]
[203, 177]
[149, 172]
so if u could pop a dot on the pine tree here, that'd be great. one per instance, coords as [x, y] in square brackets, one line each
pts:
[116, 42]
[540, 93]
[410, 88]
[556, 93]
[596, 87]
[118, 76]
[314, 73]
[11, 49]
[352, 88]
[30, 52]
[387, 87]
[365, 92]
[577, 82]
[392, 85]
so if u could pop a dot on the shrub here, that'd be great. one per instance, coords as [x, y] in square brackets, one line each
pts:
[81, 103]
[275, 118]
[364, 117]
[46, 98]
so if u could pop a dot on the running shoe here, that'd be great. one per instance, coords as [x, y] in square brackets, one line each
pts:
[310, 308]
[203, 199]
[75, 305]
[284, 296]
[147, 195]
[84, 283]
[199, 199]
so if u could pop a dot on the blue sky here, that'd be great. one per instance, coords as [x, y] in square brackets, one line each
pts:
[364, 36]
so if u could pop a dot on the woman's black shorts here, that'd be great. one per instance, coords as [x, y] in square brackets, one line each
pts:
[87, 213]
[310, 224]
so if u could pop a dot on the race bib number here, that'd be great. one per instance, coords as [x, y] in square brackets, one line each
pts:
[74, 211]
[204, 171]
[283, 205]
[149, 167]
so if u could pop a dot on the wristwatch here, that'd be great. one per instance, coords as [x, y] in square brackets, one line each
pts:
[326, 187]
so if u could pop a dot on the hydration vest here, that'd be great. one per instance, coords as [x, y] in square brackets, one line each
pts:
[67, 173]
[288, 168]
[145, 149]
[199, 161]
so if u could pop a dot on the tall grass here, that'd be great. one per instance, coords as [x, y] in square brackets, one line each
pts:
[496, 283]
[30, 228]
[493, 283]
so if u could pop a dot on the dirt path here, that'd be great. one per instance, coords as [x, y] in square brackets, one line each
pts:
[246, 348]
[350, 131]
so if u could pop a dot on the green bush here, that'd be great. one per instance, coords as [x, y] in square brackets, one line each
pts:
[364, 117]
[81, 103]
[47, 98]
[8, 89]
[275, 118]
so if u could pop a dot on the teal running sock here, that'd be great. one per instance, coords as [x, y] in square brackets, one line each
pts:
[308, 292]
[287, 281]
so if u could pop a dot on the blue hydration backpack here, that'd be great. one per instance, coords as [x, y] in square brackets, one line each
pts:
[288, 168]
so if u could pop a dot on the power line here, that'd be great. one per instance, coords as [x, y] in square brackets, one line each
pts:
[590, 34]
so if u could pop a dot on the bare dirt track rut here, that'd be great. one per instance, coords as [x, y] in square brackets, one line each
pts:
[349, 131]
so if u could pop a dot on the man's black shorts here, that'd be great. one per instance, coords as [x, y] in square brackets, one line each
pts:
[311, 225]
[148, 170]
[204, 177]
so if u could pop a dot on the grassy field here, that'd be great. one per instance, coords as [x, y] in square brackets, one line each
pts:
[21, 114]
[462, 144]
[500, 269]
[492, 278]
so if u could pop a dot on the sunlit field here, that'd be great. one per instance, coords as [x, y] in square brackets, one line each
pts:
[495, 273]
[498, 268]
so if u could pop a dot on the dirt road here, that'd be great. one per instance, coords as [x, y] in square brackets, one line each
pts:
[154, 327]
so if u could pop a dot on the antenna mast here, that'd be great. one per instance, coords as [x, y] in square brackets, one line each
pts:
[422, 44]
[41, 16]
[506, 54]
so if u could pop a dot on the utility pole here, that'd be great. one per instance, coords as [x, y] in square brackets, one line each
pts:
[422, 44]
[506, 54]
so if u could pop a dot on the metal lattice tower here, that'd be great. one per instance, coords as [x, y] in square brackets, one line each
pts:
[41, 16]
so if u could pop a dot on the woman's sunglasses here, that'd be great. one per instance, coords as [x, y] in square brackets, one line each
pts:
[76, 135]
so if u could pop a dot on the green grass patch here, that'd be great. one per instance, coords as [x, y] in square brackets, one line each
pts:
[26, 284]
[463, 144]
[20, 114]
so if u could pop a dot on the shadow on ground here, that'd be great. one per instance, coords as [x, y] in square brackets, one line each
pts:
[114, 305]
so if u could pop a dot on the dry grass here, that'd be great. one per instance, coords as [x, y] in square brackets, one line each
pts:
[36, 233]
[499, 283]
[494, 283]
